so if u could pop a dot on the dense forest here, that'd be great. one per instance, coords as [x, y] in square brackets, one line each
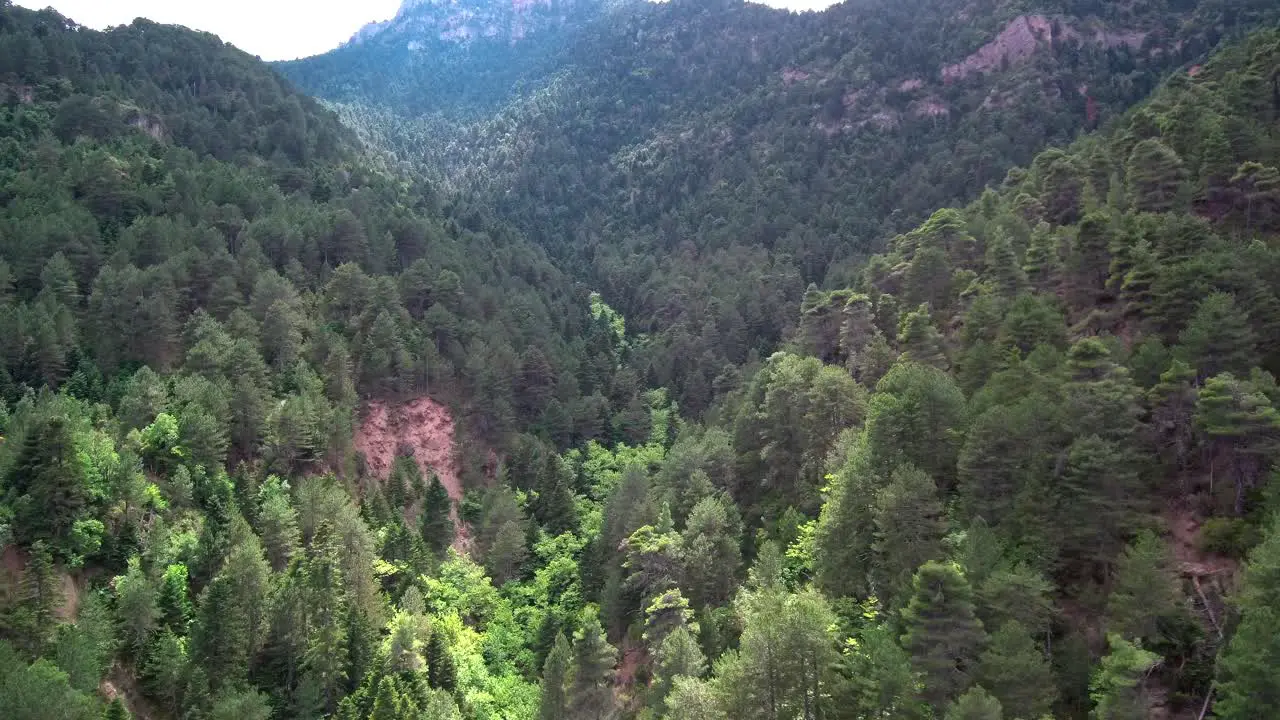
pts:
[730, 421]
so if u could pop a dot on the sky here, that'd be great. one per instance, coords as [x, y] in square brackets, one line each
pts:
[272, 29]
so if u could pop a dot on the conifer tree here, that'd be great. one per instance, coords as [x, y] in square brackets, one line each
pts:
[1116, 688]
[920, 340]
[1144, 592]
[941, 632]
[590, 691]
[136, 606]
[1243, 429]
[1248, 686]
[1002, 266]
[435, 522]
[441, 672]
[1017, 672]
[909, 529]
[554, 703]
[846, 525]
[1042, 264]
[977, 704]
[1156, 175]
[1173, 407]
[1218, 339]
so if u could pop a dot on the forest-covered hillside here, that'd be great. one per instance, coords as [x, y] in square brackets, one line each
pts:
[702, 162]
[294, 428]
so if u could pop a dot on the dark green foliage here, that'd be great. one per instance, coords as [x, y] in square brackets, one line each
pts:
[1015, 668]
[435, 520]
[1247, 681]
[942, 633]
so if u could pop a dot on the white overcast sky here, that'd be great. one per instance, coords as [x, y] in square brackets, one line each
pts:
[273, 29]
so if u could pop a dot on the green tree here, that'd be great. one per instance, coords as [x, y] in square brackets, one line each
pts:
[1218, 338]
[1248, 686]
[909, 529]
[1017, 672]
[783, 667]
[1242, 428]
[1144, 592]
[976, 704]
[677, 656]
[137, 606]
[46, 487]
[920, 341]
[916, 416]
[441, 673]
[554, 703]
[277, 522]
[435, 521]
[711, 551]
[1156, 176]
[1116, 687]
[942, 633]
[846, 526]
[590, 690]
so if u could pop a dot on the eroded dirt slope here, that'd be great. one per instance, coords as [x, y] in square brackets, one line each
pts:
[425, 428]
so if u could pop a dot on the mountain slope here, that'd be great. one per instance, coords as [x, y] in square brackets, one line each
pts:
[704, 162]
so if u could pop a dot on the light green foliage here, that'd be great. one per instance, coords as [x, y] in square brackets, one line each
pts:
[976, 704]
[40, 691]
[1116, 688]
[783, 665]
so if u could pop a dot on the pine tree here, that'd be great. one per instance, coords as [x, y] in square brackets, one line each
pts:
[1002, 266]
[441, 673]
[1144, 591]
[977, 704]
[435, 522]
[711, 551]
[1243, 430]
[1219, 338]
[920, 340]
[1099, 500]
[116, 711]
[555, 675]
[1116, 687]
[324, 658]
[1156, 176]
[942, 633]
[916, 416]
[1173, 406]
[846, 525]
[136, 606]
[677, 656]
[277, 522]
[590, 691]
[1042, 263]
[909, 529]
[1248, 686]
[1017, 672]
[48, 487]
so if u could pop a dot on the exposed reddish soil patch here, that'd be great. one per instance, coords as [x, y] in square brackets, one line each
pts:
[422, 426]
[1025, 34]
[1184, 532]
